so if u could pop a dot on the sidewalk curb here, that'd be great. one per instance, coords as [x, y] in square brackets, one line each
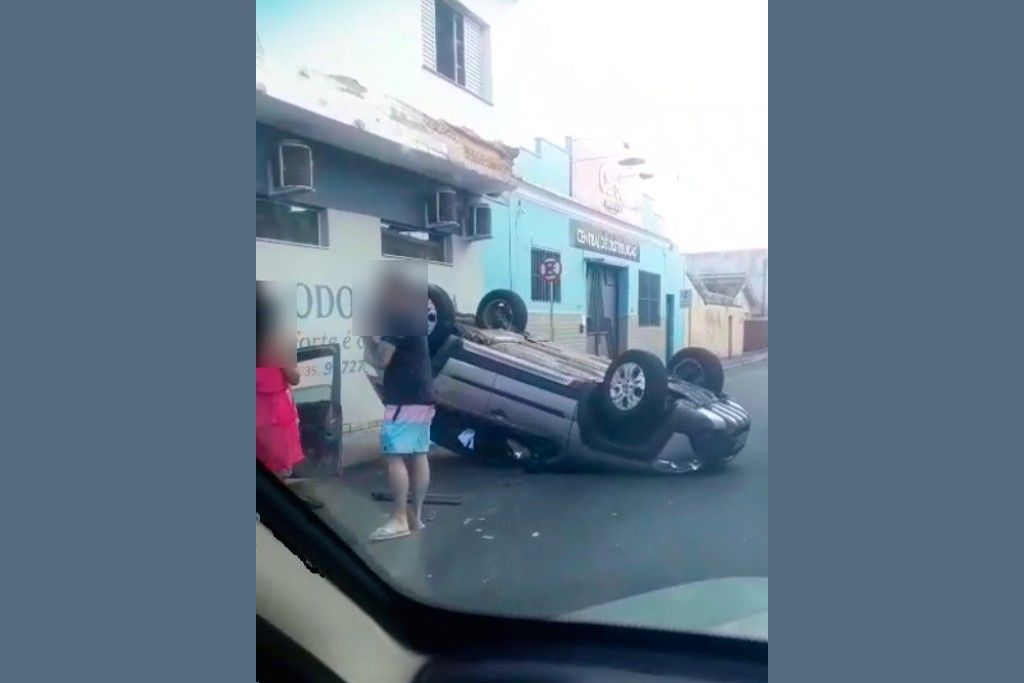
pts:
[746, 359]
[360, 447]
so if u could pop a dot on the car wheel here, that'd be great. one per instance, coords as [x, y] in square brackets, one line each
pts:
[501, 309]
[440, 317]
[698, 366]
[635, 387]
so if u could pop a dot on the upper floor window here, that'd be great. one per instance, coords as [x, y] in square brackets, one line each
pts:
[285, 222]
[456, 45]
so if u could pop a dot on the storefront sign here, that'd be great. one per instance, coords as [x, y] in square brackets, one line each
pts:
[604, 241]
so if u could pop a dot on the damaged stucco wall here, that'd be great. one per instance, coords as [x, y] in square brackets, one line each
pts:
[347, 102]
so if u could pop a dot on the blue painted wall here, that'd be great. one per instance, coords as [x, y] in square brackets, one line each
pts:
[520, 225]
[546, 165]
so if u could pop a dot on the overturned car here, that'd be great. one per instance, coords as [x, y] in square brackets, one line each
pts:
[503, 394]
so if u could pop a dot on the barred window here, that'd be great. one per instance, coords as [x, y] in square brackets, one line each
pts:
[539, 287]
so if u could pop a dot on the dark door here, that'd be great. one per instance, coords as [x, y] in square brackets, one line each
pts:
[670, 326]
[602, 310]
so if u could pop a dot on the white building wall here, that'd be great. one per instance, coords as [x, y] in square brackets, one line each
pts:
[379, 44]
[354, 240]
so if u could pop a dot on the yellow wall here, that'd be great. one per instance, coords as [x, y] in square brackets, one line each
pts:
[709, 327]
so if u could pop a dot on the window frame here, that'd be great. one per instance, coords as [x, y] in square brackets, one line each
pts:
[323, 234]
[538, 254]
[458, 45]
[446, 242]
[648, 306]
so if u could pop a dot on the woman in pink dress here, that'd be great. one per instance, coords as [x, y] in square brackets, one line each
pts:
[277, 421]
[278, 445]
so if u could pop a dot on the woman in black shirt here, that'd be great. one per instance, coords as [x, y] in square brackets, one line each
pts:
[408, 395]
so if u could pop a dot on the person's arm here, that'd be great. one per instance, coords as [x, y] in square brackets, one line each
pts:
[378, 352]
[291, 374]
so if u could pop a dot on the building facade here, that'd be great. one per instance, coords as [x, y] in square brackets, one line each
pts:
[720, 271]
[387, 105]
[380, 129]
[719, 312]
[751, 263]
[620, 285]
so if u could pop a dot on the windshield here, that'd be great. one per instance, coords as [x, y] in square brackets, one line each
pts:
[512, 297]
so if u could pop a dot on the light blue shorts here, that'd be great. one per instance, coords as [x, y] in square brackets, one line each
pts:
[406, 430]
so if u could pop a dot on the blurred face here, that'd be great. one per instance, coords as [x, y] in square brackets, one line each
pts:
[397, 296]
[276, 348]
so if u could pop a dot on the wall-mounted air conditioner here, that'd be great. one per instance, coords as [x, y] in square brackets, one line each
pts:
[442, 210]
[478, 222]
[294, 172]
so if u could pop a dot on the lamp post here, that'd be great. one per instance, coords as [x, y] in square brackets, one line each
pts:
[625, 160]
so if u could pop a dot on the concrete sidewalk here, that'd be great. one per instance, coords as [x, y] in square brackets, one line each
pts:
[745, 359]
[364, 445]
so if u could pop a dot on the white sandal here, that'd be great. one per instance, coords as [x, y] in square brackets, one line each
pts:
[387, 532]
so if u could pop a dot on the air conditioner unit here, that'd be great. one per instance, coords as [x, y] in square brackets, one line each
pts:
[478, 222]
[442, 210]
[294, 168]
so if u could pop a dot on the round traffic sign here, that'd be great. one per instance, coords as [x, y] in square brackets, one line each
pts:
[550, 269]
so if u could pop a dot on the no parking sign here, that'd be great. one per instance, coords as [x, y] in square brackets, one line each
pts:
[551, 269]
[550, 272]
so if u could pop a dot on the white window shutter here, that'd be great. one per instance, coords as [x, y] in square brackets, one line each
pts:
[429, 41]
[474, 55]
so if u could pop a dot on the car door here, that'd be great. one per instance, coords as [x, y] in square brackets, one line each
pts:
[530, 398]
[463, 380]
[318, 403]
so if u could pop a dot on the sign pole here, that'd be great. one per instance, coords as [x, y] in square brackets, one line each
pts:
[551, 308]
[550, 272]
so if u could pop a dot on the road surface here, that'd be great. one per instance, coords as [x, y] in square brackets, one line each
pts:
[549, 544]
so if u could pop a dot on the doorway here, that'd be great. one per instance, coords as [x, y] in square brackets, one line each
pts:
[602, 309]
[670, 326]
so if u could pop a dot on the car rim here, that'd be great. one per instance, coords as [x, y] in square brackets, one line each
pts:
[498, 315]
[627, 386]
[431, 316]
[689, 370]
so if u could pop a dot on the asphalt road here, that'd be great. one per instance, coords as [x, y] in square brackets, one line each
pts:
[549, 544]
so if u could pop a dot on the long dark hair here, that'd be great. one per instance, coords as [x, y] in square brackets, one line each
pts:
[264, 318]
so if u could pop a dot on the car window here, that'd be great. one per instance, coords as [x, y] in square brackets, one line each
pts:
[512, 303]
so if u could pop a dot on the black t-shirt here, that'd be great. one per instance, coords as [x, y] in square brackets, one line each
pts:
[408, 378]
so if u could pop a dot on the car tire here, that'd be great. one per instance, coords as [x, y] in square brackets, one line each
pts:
[635, 388]
[440, 317]
[502, 309]
[698, 366]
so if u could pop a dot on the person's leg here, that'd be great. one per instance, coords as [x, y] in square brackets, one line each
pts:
[419, 469]
[398, 480]
[397, 525]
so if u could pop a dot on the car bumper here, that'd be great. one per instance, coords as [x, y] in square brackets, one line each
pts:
[727, 426]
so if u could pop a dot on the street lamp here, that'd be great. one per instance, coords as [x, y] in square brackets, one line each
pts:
[624, 161]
